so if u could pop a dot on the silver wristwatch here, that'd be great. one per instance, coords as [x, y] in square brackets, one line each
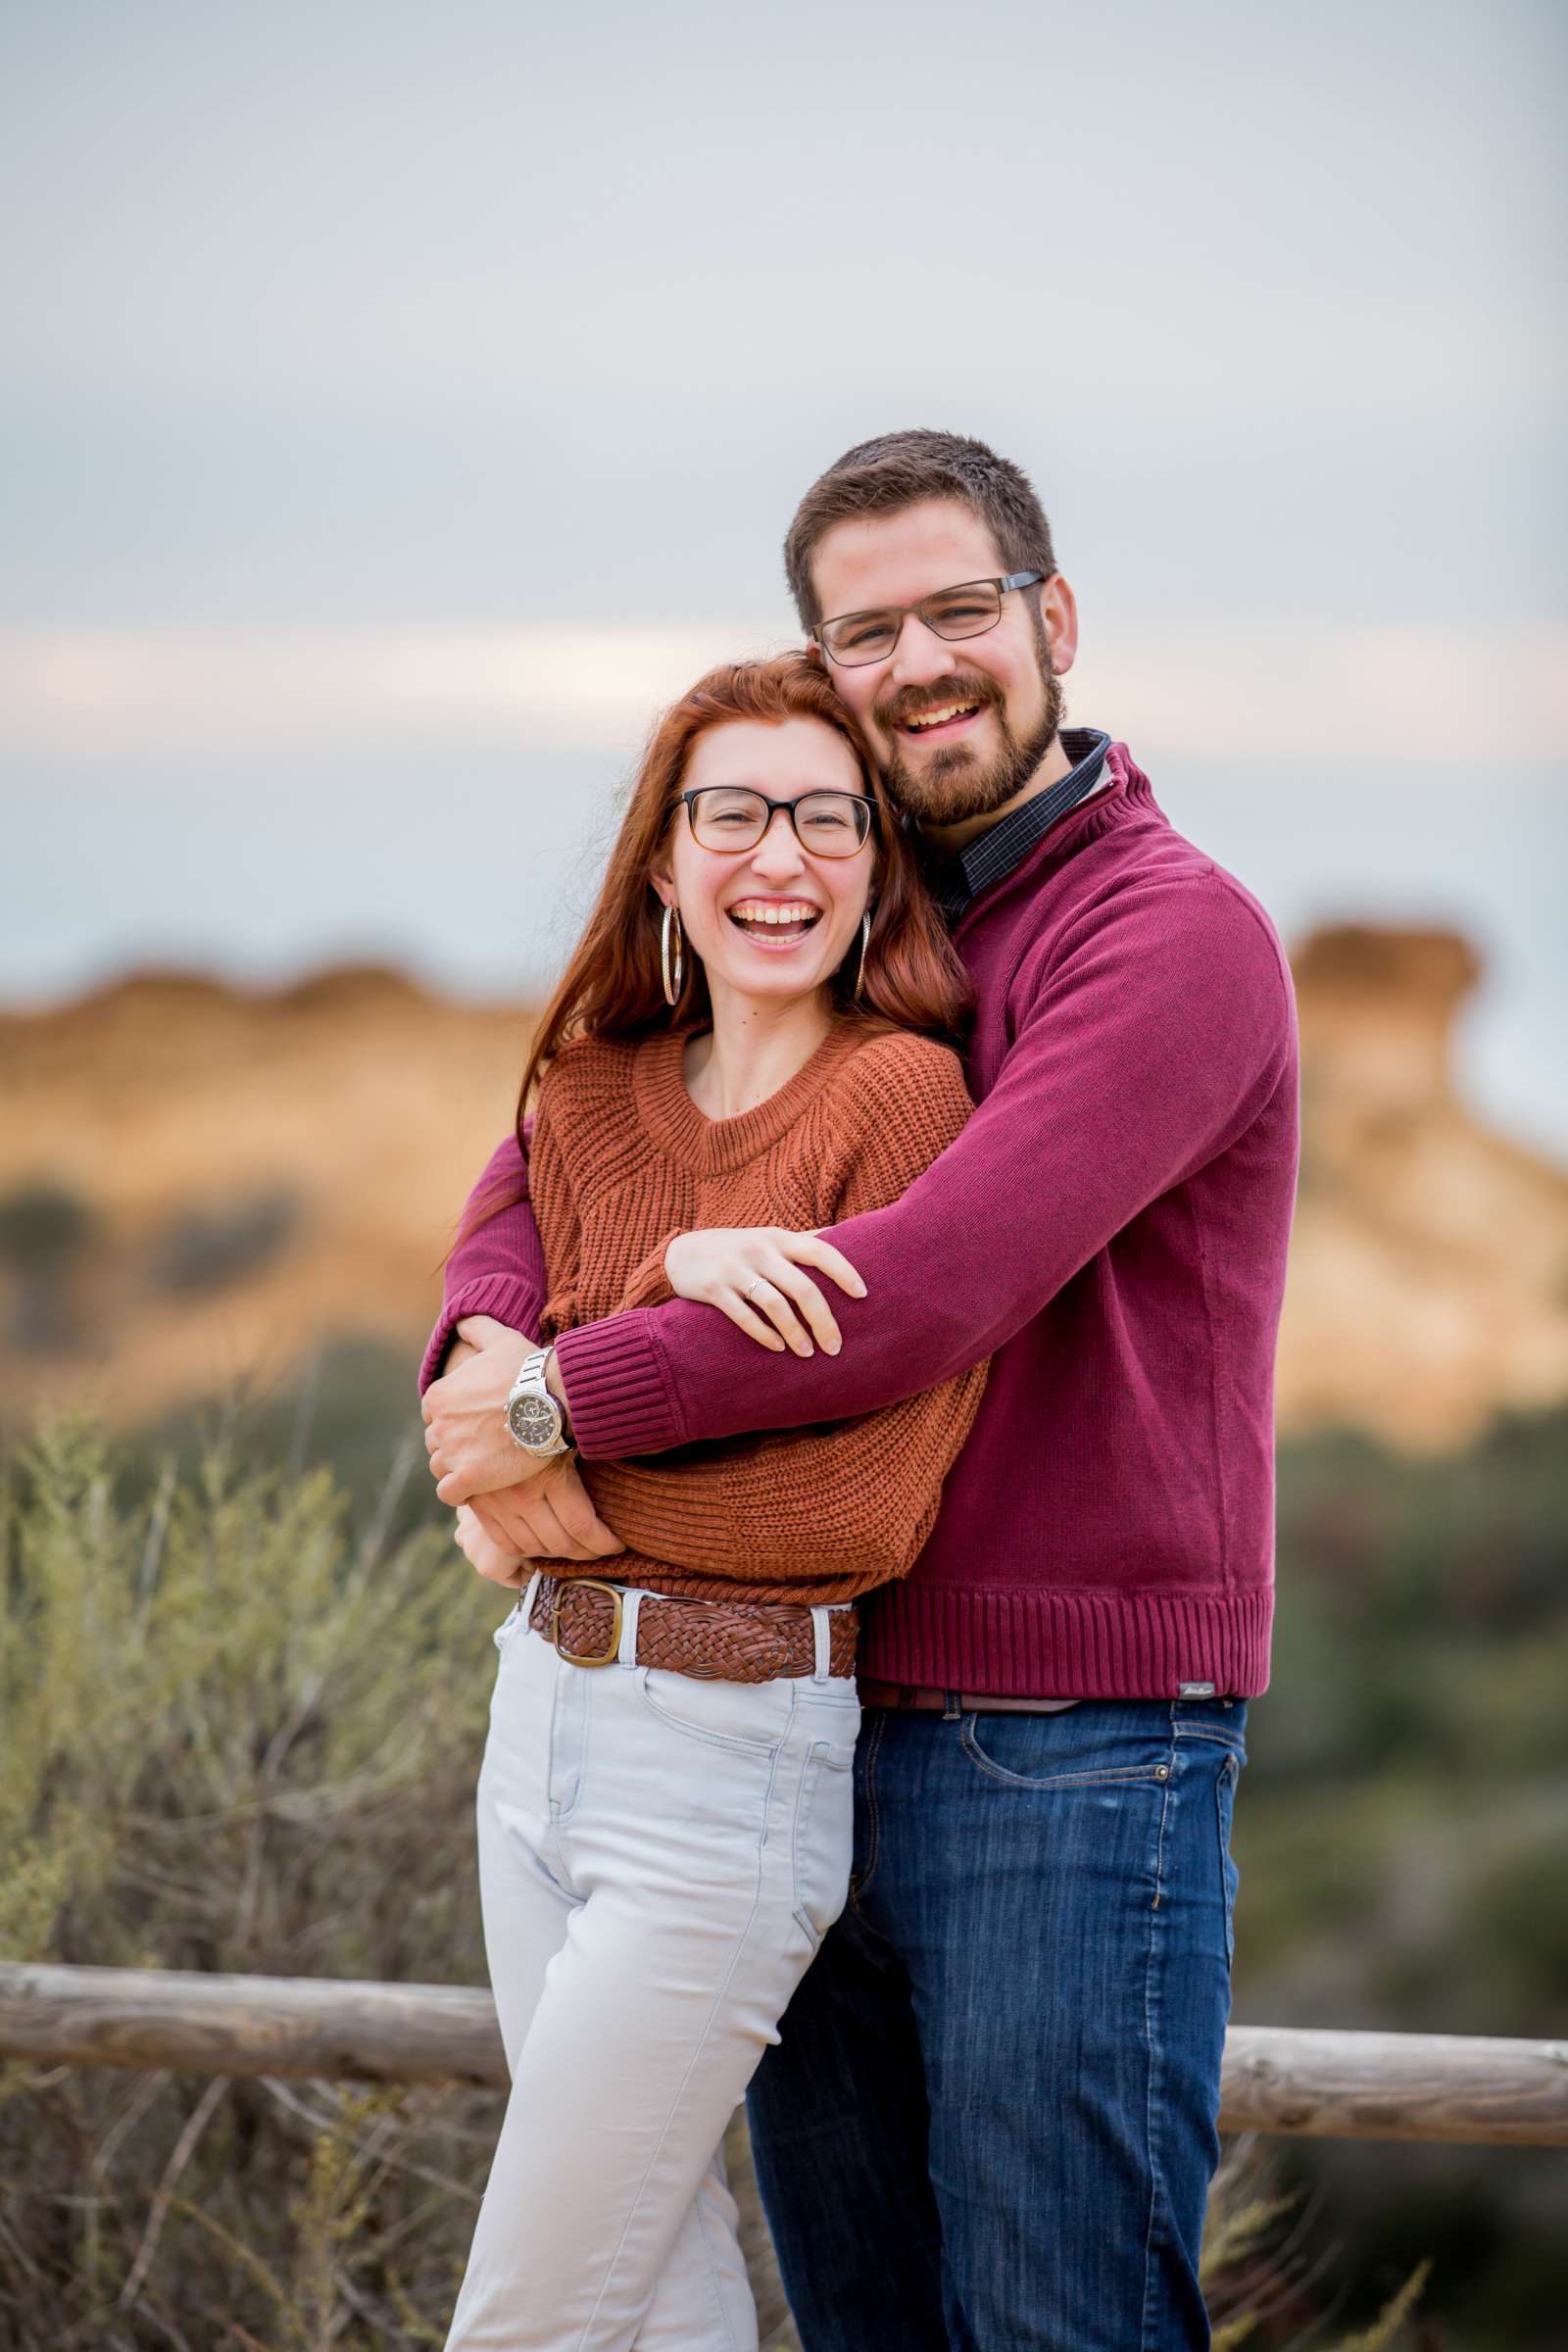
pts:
[534, 1418]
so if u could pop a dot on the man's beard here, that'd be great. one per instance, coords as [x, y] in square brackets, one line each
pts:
[953, 783]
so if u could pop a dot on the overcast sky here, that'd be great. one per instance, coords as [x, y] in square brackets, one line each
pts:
[399, 400]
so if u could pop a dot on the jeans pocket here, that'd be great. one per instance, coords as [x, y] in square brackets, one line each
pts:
[1083, 1750]
[750, 1717]
[824, 1838]
[1224, 1808]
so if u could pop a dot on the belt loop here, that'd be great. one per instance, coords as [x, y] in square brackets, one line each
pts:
[823, 1640]
[632, 1601]
[526, 1605]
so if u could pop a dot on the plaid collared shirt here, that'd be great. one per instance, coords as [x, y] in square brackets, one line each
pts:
[957, 882]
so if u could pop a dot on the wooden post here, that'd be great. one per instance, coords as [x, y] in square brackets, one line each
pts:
[206, 2025]
[1447, 2087]
[1277, 2080]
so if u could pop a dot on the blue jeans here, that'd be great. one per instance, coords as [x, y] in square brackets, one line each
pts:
[990, 2122]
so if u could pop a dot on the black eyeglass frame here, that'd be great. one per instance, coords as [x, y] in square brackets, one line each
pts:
[857, 800]
[1002, 583]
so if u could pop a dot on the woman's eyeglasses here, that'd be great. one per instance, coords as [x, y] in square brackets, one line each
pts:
[967, 611]
[731, 816]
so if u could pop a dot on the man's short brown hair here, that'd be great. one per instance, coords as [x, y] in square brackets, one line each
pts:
[903, 470]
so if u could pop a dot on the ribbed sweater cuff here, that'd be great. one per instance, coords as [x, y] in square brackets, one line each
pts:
[506, 1296]
[618, 1393]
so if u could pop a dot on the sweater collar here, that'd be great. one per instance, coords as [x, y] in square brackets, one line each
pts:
[957, 880]
[1127, 796]
[672, 1121]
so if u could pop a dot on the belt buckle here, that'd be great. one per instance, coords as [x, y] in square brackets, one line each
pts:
[574, 1658]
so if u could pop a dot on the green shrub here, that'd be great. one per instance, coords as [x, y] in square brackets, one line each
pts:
[46, 1230]
[240, 1735]
[244, 1705]
[198, 1249]
[43, 1224]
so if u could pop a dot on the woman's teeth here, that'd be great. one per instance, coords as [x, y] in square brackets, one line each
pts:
[781, 921]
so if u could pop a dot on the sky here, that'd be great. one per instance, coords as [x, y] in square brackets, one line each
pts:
[398, 403]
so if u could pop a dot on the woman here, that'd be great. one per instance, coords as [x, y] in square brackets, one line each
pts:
[747, 1035]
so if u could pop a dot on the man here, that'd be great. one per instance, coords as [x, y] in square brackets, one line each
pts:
[990, 2120]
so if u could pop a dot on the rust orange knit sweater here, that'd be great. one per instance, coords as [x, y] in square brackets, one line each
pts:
[622, 1161]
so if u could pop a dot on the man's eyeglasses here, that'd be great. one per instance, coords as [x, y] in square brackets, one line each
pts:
[731, 816]
[853, 638]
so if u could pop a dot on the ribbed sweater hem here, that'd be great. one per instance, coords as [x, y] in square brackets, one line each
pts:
[1041, 1644]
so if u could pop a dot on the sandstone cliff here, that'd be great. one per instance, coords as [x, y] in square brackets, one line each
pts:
[1429, 1265]
[198, 1181]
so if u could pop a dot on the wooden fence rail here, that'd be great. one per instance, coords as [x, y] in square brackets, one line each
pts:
[1323, 2085]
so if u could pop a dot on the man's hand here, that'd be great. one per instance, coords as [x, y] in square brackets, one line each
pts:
[472, 1451]
[520, 1507]
[550, 1518]
[491, 1560]
[752, 1273]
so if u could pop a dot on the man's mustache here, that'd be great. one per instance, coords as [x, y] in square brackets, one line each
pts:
[912, 702]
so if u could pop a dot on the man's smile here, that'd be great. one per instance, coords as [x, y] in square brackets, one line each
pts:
[942, 710]
[945, 719]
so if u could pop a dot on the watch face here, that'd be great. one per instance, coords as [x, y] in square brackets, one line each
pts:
[534, 1421]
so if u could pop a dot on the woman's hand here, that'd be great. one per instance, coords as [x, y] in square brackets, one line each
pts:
[496, 1561]
[752, 1273]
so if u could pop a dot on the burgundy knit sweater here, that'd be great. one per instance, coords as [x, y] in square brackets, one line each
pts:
[1111, 1228]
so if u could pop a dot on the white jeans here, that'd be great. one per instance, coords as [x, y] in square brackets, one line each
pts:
[659, 1857]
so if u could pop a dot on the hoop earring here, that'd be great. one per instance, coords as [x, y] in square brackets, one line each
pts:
[673, 986]
[865, 938]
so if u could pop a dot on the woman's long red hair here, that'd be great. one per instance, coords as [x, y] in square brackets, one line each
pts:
[612, 984]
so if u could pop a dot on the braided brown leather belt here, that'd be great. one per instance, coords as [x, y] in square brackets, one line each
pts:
[718, 1641]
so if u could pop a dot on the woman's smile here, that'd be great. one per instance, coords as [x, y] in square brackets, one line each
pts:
[775, 926]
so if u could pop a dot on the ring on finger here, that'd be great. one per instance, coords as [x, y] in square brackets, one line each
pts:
[757, 1283]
